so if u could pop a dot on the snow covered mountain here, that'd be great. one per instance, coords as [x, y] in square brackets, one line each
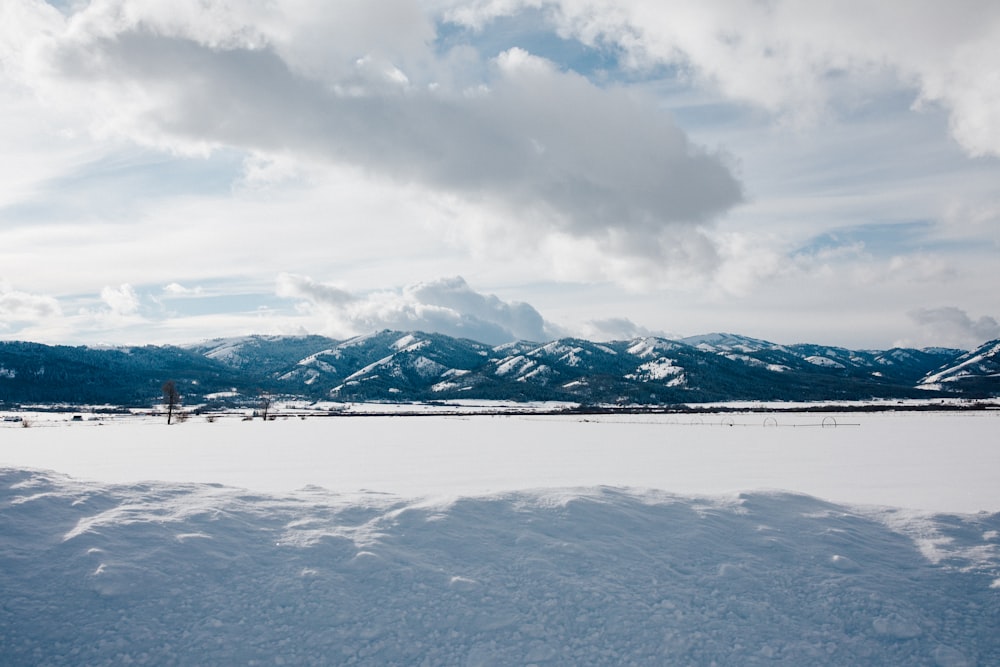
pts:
[896, 366]
[383, 365]
[390, 365]
[975, 371]
[417, 366]
[260, 354]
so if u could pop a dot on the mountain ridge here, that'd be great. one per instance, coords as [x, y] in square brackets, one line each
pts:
[415, 366]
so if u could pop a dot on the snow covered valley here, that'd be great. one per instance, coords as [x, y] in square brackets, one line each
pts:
[611, 540]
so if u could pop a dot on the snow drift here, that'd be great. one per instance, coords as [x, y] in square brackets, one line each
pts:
[204, 574]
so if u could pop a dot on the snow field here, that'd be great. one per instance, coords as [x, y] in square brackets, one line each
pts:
[931, 461]
[502, 540]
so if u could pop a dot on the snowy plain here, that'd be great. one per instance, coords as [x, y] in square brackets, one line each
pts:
[728, 539]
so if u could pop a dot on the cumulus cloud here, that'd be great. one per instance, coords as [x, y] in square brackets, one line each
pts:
[359, 83]
[121, 301]
[956, 326]
[446, 305]
[793, 58]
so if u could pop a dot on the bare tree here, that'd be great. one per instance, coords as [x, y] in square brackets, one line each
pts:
[171, 398]
[265, 404]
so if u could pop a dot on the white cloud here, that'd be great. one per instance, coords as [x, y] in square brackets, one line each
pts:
[485, 311]
[303, 287]
[554, 152]
[23, 307]
[121, 301]
[953, 326]
[616, 328]
[802, 60]
[44, 318]
[178, 290]
[446, 305]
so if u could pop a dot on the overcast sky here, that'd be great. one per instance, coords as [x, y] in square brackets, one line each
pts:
[822, 172]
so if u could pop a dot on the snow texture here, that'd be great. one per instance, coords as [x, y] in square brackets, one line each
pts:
[659, 369]
[646, 347]
[824, 361]
[972, 365]
[459, 556]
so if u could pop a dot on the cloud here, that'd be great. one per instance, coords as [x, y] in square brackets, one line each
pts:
[795, 59]
[616, 328]
[121, 301]
[302, 287]
[955, 326]
[512, 320]
[22, 307]
[178, 290]
[447, 305]
[42, 318]
[554, 152]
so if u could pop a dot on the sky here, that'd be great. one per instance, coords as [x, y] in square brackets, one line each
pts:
[821, 172]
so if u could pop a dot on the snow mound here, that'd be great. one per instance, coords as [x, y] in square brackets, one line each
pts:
[177, 573]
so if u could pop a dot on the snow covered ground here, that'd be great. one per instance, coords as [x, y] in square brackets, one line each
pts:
[652, 540]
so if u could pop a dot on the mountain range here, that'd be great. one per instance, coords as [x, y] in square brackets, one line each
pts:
[416, 366]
